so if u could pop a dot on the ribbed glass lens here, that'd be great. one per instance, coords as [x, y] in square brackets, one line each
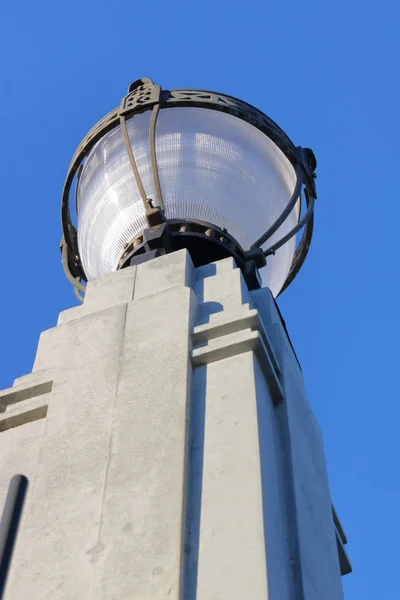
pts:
[212, 166]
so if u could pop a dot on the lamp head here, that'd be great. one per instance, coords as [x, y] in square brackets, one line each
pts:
[172, 169]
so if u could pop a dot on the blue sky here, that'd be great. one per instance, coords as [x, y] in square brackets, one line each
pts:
[328, 73]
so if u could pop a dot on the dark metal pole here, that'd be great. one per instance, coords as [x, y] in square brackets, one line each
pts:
[9, 524]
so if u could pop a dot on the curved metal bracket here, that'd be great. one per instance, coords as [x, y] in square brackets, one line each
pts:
[300, 254]
[286, 212]
[75, 280]
[299, 226]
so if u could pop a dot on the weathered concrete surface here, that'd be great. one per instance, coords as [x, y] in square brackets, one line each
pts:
[312, 541]
[171, 451]
[141, 530]
[231, 555]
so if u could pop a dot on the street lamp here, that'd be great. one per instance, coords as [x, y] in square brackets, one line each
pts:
[173, 169]
[172, 448]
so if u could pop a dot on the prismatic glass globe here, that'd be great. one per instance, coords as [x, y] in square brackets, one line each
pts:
[213, 167]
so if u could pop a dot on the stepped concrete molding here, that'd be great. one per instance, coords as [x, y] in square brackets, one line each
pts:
[170, 448]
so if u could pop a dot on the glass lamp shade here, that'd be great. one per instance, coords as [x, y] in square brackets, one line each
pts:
[212, 166]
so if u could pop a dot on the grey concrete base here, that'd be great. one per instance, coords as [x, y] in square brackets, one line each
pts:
[171, 451]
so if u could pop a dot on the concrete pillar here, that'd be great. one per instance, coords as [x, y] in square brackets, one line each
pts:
[170, 448]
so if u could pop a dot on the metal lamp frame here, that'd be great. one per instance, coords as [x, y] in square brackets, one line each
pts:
[144, 95]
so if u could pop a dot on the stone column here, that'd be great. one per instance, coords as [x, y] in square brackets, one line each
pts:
[170, 448]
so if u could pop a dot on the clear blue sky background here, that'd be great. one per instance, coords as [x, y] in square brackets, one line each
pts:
[328, 73]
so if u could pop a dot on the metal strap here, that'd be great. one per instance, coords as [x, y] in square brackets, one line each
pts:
[10, 520]
[133, 162]
[300, 254]
[71, 279]
[153, 155]
[288, 209]
[300, 224]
